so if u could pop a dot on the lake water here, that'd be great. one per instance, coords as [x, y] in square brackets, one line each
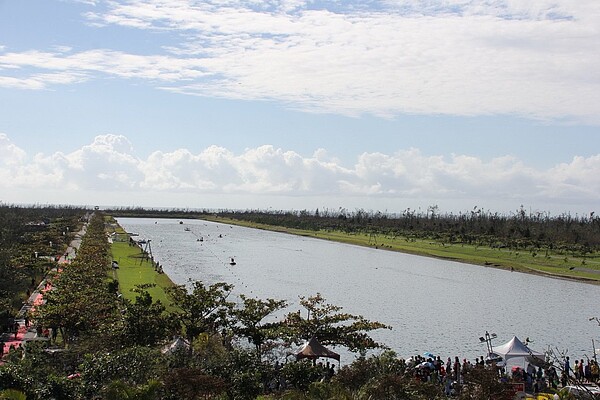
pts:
[433, 305]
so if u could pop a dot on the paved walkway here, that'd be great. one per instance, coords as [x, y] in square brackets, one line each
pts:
[27, 333]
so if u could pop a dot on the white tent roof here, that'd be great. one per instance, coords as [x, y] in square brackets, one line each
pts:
[175, 345]
[515, 348]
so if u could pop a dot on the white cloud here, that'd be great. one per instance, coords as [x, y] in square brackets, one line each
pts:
[578, 178]
[533, 9]
[16, 83]
[536, 59]
[109, 165]
[81, 66]
[10, 154]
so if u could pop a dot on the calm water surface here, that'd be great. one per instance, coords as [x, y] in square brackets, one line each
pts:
[433, 305]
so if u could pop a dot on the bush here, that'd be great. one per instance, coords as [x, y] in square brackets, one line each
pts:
[134, 365]
[301, 374]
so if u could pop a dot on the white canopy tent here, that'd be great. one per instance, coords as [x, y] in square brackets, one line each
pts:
[514, 348]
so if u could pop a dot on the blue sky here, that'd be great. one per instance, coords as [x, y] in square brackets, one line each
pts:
[296, 104]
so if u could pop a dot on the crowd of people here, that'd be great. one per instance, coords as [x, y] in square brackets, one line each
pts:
[450, 373]
[453, 373]
[587, 372]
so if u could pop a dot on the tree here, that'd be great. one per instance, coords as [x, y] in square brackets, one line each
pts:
[204, 310]
[331, 326]
[136, 366]
[146, 323]
[74, 312]
[483, 383]
[250, 317]
[365, 369]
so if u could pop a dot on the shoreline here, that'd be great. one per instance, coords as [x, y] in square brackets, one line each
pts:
[493, 263]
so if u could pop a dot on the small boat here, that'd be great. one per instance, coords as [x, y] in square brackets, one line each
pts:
[187, 229]
[232, 262]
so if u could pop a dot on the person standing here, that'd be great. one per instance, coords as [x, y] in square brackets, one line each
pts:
[16, 328]
[456, 369]
[447, 385]
[587, 371]
[567, 367]
[595, 371]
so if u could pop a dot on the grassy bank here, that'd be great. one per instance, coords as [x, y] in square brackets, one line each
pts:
[135, 269]
[552, 264]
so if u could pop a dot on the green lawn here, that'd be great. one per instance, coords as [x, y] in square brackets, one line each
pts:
[559, 265]
[135, 270]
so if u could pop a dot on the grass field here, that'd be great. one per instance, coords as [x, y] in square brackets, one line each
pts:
[135, 270]
[552, 264]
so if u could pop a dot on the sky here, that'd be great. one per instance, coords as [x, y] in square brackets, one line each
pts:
[377, 105]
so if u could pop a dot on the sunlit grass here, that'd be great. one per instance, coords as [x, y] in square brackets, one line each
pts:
[134, 269]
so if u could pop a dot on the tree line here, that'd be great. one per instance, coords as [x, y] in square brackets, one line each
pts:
[518, 230]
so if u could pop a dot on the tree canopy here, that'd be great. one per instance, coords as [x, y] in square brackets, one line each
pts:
[331, 326]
